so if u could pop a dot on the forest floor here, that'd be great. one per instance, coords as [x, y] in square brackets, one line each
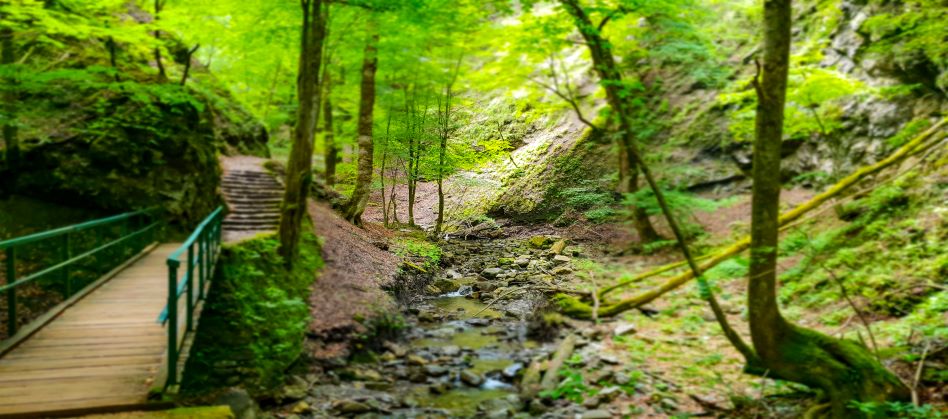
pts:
[465, 339]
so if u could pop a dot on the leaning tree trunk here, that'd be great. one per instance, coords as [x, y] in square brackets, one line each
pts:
[299, 173]
[360, 196]
[611, 80]
[843, 369]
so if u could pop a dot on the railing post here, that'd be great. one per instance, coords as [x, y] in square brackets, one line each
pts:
[189, 289]
[202, 263]
[173, 321]
[66, 255]
[11, 293]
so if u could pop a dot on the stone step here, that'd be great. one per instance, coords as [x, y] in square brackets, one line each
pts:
[252, 217]
[250, 224]
[252, 193]
[265, 185]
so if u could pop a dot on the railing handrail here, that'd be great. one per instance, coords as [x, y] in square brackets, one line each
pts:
[31, 238]
[203, 249]
[63, 237]
[176, 255]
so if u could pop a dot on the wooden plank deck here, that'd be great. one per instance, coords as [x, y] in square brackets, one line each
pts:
[106, 351]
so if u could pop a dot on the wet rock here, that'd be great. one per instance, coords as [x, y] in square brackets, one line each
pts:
[446, 285]
[609, 359]
[240, 402]
[471, 378]
[511, 371]
[562, 270]
[597, 414]
[435, 370]
[388, 356]
[398, 350]
[623, 329]
[560, 259]
[439, 388]
[416, 360]
[609, 394]
[417, 375]
[522, 262]
[300, 407]
[350, 407]
[451, 350]
[378, 385]
[295, 390]
[491, 272]
[478, 322]
[453, 274]
[592, 402]
[486, 286]
[500, 407]
[367, 375]
[426, 317]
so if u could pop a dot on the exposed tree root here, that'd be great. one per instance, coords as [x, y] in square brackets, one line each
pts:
[577, 308]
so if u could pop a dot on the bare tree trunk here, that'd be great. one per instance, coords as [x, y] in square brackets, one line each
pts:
[159, 4]
[329, 136]
[388, 139]
[299, 173]
[445, 134]
[113, 56]
[10, 139]
[187, 64]
[611, 80]
[844, 369]
[360, 196]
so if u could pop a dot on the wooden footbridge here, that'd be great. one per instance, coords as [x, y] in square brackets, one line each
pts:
[99, 316]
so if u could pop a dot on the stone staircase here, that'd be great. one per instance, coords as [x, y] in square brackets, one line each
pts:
[253, 198]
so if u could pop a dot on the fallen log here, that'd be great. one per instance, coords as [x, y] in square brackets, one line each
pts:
[551, 378]
[574, 307]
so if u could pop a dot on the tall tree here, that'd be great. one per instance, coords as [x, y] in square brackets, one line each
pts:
[444, 133]
[7, 58]
[299, 168]
[610, 78]
[159, 6]
[844, 369]
[331, 153]
[360, 196]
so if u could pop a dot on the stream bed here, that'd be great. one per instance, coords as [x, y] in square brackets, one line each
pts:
[462, 349]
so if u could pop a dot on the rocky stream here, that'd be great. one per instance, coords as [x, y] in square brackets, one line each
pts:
[464, 345]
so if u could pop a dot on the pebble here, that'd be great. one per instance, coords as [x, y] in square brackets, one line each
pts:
[416, 360]
[451, 350]
[559, 259]
[435, 370]
[350, 407]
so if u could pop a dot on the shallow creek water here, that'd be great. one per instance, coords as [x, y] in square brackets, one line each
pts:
[459, 357]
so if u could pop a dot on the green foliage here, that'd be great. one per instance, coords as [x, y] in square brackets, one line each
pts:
[912, 34]
[573, 386]
[898, 410]
[418, 249]
[256, 316]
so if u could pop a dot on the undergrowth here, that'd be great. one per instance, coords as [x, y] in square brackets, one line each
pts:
[256, 316]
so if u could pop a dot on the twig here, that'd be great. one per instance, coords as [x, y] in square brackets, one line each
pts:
[496, 299]
[918, 372]
[862, 317]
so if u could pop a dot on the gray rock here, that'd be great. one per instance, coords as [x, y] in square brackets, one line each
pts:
[451, 350]
[522, 262]
[592, 402]
[486, 286]
[597, 414]
[471, 378]
[435, 370]
[623, 329]
[350, 407]
[610, 393]
[512, 370]
[491, 272]
[240, 402]
[558, 259]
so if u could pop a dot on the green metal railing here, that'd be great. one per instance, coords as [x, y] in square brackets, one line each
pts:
[203, 249]
[134, 231]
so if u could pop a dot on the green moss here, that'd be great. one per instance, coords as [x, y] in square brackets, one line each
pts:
[256, 316]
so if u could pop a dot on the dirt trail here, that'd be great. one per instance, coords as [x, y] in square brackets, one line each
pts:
[351, 284]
